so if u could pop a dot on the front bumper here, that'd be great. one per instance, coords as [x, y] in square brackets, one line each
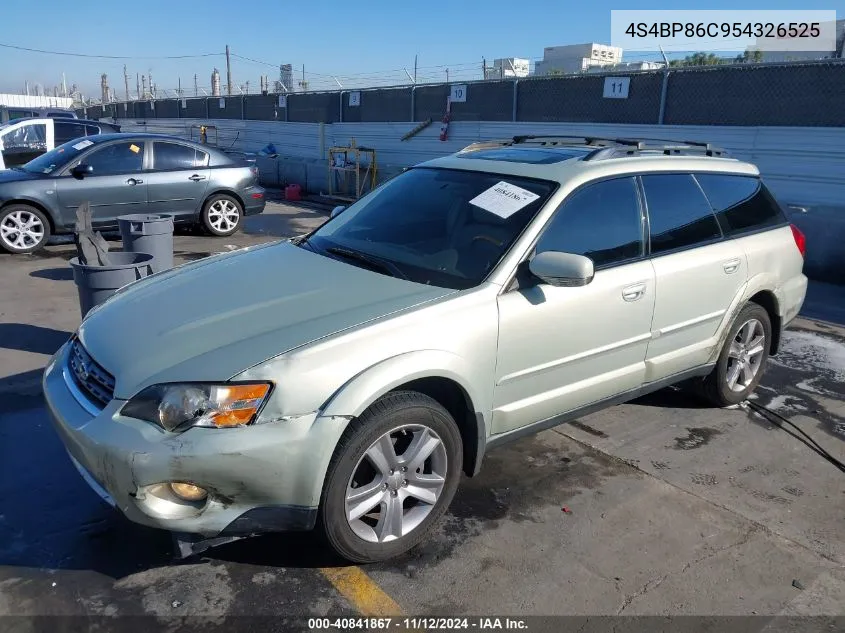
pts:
[265, 477]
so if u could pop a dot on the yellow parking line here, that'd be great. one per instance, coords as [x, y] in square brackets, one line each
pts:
[361, 591]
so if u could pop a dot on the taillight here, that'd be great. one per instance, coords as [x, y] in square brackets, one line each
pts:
[800, 240]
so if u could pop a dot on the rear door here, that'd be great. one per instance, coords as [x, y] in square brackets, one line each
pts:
[178, 179]
[698, 274]
[117, 186]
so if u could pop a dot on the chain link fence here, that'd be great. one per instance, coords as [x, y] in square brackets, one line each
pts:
[784, 94]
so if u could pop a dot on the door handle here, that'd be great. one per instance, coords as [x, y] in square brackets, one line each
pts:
[633, 292]
[731, 266]
[196, 178]
[134, 181]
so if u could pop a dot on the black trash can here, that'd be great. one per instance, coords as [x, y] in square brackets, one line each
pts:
[153, 234]
[95, 284]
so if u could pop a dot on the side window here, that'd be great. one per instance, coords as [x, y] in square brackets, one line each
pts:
[91, 130]
[173, 156]
[66, 131]
[601, 221]
[742, 203]
[678, 213]
[202, 159]
[120, 158]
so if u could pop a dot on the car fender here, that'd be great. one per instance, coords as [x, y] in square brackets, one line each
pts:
[358, 393]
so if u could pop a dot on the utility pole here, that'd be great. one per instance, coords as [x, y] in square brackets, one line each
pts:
[64, 86]
[180, 88]
[228, 72]
[126, 81]
[138, 86]
[144, 86]
[150, 81]
[196, 87]
[303, 84]
[447, 75]
[484, 68]
[415, 68]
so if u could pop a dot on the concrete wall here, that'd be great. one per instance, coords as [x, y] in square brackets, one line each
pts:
[804, 167]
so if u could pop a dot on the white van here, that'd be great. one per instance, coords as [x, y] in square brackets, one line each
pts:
[25, 139]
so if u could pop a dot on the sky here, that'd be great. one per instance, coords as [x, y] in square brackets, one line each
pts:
[359, 43]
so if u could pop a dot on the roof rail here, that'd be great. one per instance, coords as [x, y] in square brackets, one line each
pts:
[606, 147]
[645, 147]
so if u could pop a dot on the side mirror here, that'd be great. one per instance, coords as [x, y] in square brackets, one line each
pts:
[336, 211]
[80, 171]
[562, 269]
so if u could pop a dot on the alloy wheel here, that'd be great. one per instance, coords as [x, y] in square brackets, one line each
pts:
[396, 483]
[21, 230]
[745, 355]
[223, 215]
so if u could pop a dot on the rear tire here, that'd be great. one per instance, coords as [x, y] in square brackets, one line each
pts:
[222, 215]
[742, 360]
[393, 475]
[23, 229]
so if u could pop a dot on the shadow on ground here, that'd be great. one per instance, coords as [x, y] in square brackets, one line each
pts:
[32, 338]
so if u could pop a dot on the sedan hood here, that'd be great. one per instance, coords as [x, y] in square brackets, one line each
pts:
[16, 175]
[211, 320]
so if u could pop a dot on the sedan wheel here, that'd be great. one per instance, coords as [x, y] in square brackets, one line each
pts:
[222, 215]
[23, 229]
[392, 476]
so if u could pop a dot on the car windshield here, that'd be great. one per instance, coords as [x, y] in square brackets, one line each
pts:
[56, 158]
[440, 227]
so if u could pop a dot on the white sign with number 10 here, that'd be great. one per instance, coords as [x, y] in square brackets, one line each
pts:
[616, 87]
[458, 94]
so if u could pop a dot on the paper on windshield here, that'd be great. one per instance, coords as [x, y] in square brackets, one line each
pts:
[82, 144]
[504, 199]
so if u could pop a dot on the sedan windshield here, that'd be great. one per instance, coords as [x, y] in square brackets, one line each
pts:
[57, 158]
[441, 227]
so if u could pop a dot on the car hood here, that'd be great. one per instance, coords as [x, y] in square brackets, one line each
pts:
[213, 319]
[16, 175]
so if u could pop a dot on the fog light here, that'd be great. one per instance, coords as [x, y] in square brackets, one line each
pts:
[188, 492]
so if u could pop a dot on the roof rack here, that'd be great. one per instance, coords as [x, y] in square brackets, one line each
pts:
[606, 147]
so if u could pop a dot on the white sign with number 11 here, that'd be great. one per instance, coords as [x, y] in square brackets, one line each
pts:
[616, 87]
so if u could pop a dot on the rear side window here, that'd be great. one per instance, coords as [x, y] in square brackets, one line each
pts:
[601, 221]
[678, 213]
[173, 156]
[65, 131]
[92, 130]
[741, 203]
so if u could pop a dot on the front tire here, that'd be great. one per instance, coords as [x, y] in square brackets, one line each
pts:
[222, 215]
[743, 358]
[23, 229]
[393, 475]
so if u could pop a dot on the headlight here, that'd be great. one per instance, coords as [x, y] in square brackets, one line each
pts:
[176, 406]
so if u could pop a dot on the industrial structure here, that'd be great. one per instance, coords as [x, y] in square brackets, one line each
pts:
[215, 83]
[576, 58]
[508, 67]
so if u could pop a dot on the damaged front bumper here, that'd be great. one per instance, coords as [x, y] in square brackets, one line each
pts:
[261, 478]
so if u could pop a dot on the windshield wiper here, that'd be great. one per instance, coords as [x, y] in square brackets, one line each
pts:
[375, 262]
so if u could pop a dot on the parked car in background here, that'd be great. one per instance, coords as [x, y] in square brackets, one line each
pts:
[345, 379]
[25, 139]
[119, 174]
[13, 113]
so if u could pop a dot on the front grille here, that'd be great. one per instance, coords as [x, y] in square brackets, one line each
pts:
[95, 382]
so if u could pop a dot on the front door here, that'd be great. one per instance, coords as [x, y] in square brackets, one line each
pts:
[563, 348]
[116, 187]
[178, 180]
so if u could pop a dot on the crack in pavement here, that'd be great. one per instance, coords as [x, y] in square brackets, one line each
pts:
[656, 582]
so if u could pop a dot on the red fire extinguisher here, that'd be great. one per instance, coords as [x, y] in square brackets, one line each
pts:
[444, 127]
